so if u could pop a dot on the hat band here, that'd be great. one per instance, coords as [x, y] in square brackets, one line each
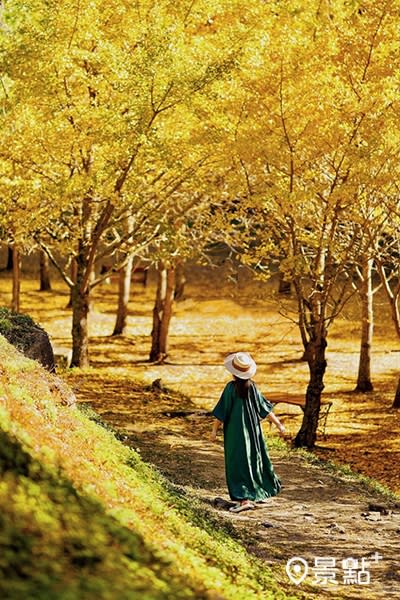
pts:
[240, 368]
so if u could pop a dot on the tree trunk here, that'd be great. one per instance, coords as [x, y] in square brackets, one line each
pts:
[393, 297]
[307, 434]
[285, 287]
[364, 383]
[16, 281]
[92, 277]
[162, 312]
[396, 403]
[80, 310]
[44, 272]
[124, 288]
[180, 281]
[73, 274]
[9, 265]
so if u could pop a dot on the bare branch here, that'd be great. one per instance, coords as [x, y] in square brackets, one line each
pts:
[55, 262]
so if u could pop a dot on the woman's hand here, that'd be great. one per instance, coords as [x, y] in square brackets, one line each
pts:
[216, 425]
[274, 419]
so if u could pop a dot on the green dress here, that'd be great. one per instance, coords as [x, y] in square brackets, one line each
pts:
[249, 472]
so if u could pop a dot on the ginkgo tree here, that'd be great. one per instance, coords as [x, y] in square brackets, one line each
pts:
[375, 266]
[187, 238]
[89, 90]
[17, 212]
[315, 103]
[387, 261]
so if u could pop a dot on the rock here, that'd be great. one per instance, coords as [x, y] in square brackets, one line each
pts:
[309, 517]
[28, 337]
[372, 516]
[379, 508]
[222, 503]
[335, 528]
[157, 385]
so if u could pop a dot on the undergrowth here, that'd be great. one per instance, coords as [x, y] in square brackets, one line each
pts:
[345, 471]
[82, 516]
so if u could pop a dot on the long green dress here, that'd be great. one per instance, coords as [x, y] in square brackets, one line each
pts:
[249, 472]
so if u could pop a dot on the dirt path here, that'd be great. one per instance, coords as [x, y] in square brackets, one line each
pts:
[317, 515]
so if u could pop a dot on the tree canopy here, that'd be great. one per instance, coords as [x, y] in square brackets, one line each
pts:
[139, 127]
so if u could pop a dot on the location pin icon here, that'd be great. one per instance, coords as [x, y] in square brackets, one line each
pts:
[297, 569]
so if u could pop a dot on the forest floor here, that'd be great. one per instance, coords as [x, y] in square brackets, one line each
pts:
[321, 512]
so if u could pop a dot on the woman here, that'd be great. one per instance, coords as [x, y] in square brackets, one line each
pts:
[249, 473]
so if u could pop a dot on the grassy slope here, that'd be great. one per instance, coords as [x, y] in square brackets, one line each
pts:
[81, 516]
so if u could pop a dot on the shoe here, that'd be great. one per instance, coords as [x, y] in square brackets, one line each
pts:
[246, 505]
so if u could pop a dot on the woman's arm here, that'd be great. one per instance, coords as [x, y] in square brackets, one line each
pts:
[216, 425]
[274, 419]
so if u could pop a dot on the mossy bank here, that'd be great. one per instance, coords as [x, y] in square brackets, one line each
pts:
[81, 515]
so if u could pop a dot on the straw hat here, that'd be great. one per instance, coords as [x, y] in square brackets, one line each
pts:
[241, 365]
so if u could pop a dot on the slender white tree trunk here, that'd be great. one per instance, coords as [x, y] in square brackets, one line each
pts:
[124, 288]
[162, 312]
[364, 383]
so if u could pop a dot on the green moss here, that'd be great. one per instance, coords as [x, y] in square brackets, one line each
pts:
[57, 543]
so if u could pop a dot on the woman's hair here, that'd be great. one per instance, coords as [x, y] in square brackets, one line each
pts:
[242, 386]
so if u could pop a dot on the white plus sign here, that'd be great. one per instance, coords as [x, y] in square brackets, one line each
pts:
[376, 557]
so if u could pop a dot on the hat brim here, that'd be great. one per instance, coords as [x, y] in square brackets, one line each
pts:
[228, 363]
